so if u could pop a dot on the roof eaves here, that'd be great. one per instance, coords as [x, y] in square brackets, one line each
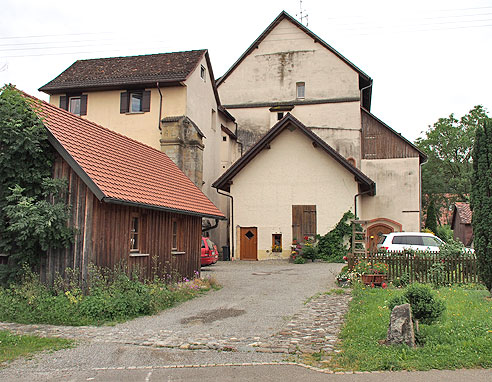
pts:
[161, 208]
[222, 181]
[278, 19]
[423, 156]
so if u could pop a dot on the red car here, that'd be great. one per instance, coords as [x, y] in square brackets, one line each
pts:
[210, 255]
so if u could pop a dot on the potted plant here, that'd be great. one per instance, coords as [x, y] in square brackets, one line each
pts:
[372, 272]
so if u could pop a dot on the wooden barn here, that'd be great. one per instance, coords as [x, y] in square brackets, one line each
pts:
[130, 203]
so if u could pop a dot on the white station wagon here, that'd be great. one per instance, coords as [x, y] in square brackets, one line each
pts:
[418, 241]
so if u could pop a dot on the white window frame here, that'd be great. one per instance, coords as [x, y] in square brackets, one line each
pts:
[300, 90]
[70, 109]
[130, 103]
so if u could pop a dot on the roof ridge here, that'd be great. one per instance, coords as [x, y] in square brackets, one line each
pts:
[141, 55]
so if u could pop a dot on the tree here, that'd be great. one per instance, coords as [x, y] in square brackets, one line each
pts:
[481, 201]
[431, 219]
[448, 145]
[33, 214]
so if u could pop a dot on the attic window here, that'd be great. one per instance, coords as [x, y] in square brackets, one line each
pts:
[74, 105]
[224, 138]
[136, 102]
[300, 90]
[203, 72]
[280, 116]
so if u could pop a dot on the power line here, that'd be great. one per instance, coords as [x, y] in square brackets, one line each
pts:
[56, 35]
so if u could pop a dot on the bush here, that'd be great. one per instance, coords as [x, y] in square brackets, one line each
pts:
[444, 232]
[425, 307]
[299, 260]
[111, 296]
[332, 247]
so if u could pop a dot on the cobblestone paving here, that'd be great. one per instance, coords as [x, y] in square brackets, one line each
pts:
[315, 327]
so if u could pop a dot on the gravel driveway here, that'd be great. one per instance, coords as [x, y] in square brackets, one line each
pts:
[258, 300]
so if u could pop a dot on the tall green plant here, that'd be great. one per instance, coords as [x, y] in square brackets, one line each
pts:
[481, 201]
[333, 246]
[431, 219]
[33, 216]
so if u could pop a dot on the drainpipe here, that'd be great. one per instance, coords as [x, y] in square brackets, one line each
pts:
[355, 201]
[212, 226]
[160, 106]
[230, 222]
[361, 93]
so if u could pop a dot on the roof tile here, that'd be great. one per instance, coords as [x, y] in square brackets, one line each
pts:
[123, 168]
[464, 212]
[124, 71]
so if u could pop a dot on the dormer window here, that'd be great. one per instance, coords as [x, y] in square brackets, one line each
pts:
[203, 72]
[300, 90]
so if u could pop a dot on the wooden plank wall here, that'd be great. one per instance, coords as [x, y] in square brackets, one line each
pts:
[103, 236]
[379, 142]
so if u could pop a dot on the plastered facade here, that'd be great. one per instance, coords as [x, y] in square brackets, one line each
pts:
[291, 172]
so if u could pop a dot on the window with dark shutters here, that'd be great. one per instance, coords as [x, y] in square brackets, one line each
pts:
[83, 104]
[126, 98]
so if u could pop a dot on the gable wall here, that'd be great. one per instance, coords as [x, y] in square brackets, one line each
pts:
[268, 76]
[378, 142]
[103, 108]
[397, 191]
[291, 172]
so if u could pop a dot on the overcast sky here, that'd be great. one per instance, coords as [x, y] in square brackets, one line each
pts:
[427, 58]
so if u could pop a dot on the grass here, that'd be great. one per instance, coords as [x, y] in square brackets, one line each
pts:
[109, 299]
[461, 339]
[13, 346]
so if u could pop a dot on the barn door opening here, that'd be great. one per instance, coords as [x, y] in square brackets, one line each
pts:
[249, 243]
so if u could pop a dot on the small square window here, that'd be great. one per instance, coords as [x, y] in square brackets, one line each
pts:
[203, 72]
[136, 102]
[300, 90]
[74, 105]
[277, 242]
[280, 116]
[224, 138]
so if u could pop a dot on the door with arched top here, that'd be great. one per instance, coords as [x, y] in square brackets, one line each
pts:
[374, 233]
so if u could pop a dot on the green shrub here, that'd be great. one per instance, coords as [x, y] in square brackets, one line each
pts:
[111, 296]
[401, 281]
[309, 252]
[332, 246]
[299, 260]
[444, 232]
[437, 274]
[425, 307]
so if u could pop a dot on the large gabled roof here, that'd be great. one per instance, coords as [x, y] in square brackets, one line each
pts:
[364, 79]
[289, 121]
[118, 169]
[118, 72]
[464, 212]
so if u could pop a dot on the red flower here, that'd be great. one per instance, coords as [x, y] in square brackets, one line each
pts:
[372, 285]
[345, 258]
[383, 285]
[306, 238]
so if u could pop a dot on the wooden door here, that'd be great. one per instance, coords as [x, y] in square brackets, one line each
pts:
[303, 221]
[374, 233]
[248, 243]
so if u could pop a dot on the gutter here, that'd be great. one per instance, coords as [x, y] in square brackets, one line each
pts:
[212, 226]
[160, 107]
[355, 201]
[230, 222]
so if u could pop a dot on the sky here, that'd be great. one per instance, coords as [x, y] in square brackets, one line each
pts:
[428, 59]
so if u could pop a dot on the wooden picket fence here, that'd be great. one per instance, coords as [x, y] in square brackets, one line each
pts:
[428, 267]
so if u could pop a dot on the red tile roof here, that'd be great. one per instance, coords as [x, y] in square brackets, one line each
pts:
[119, 169]
[464, 212]
[117, 72]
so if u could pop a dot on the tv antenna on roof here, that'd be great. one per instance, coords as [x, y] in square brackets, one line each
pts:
[301, 14]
